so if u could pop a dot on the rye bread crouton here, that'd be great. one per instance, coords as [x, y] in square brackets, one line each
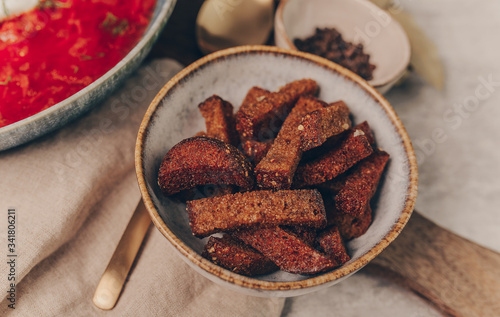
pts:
[201, 161]
[287, 250]
[237, 257]
[263, 208]
[277, 168]
[219, 119]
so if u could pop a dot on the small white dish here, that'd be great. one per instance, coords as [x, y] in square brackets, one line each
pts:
[359, 21]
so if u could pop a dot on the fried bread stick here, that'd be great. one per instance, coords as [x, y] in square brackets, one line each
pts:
[353, 226]
[316, 127]
[200, 161]
[328, 192]
[254, 95]
[361, 184]
[236, 256]
[331, 243]
[367, 130]
[288, 251]
[253, 119]
[349, 226]
[351, 150]
[219, 119]
[256, 209]
[333, 142]
[255, 151]
[277, 168]
[307, 235]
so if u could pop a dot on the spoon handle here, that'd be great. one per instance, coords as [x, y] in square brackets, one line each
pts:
[110, 286]
[458, 276]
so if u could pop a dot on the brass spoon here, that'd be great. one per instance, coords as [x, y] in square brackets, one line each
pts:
[226, 23]
[110, 286]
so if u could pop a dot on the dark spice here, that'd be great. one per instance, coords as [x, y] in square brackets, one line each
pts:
[328, 43]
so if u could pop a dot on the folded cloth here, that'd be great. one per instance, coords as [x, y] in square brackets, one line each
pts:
[74, 192]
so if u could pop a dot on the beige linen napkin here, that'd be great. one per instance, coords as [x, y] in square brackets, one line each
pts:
[74, 192]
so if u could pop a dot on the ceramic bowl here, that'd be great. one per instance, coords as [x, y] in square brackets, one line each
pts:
[359, 21]
[76, 105]
[173, 116]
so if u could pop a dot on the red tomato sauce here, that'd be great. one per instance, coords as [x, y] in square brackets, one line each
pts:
[50, 53]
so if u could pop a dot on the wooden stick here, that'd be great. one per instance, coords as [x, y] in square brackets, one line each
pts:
[458, 276]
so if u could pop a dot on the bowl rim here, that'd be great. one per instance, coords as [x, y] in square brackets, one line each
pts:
[249, 282]
[280, 30]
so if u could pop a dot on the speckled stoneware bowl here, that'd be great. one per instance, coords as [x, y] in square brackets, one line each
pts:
[359, 21]
[173, 115]
[74, 106]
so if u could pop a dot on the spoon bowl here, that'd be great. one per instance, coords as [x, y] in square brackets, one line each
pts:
[224, 24]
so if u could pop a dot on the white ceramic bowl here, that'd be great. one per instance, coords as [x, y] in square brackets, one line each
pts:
[173, 115]
[359, 21]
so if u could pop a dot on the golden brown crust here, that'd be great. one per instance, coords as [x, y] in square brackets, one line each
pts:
[353, 226]
[353, 148]
[328, 192]
[334, 141]
[349, 226]
[236, 256]
[277, 168]
[254, 95]
[324, 148]
[361, 184]
[365, 127]
[255, 151]
[316, 127]
[256, 209]
[261, 120]
[200, 161]
[332, 187]
[288, 251]
[308, 235]
[219, 119]
[331, 243]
